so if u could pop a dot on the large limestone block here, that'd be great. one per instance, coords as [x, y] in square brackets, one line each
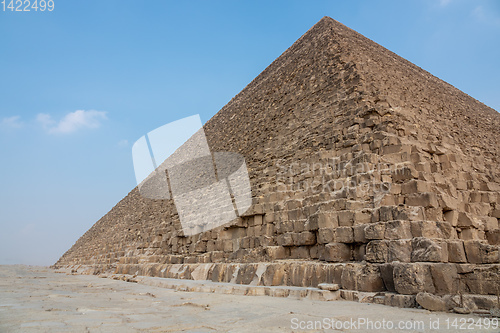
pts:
[479, 252]
[456, 251]
[362, 277]
[425, 249]
[445, 277]
[431, 302]
[336, 252]
[412, 278]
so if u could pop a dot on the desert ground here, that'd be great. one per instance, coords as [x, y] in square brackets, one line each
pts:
[37, 299]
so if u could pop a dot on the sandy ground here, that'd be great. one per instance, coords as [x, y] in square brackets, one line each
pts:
[36, 299]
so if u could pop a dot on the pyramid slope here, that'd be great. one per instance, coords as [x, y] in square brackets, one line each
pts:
[428, 152]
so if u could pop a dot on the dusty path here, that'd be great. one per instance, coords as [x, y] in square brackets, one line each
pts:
[36, 299]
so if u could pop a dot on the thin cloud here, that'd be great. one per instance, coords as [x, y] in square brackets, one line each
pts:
[12, 122]
[72, 122]
[444, 3]
[487, 16]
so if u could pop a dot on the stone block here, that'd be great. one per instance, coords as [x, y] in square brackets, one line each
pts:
[400, 301]
[377, 251]
[451, 217]
[430, 302]
[422, 200]
[479, 252]
[385, 213]
[415, 186]
[447, 202]
[276, 252]
[346, 218]
[404, 173]
[358, 252]
[482, 280]
[398, 230]
[336, 252]
[285, 239]
[328, 220]
[325, 235]
[362, 217]
[456, 251]
[375, 231]
[445, 277]
[305, 238]
[471, 234]
[299, 252]
[490, 223]
[411, 278]
[399, 250]
[466, 220]
[329, 286]
[362, 277]
[359, 233]
[427, 229]
[493, 237]
[344, 235]
[425, 249]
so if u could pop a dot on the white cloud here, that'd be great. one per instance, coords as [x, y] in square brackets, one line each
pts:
[72, 122]
[12, 122]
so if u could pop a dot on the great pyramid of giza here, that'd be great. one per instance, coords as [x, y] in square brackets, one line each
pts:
[366, 171]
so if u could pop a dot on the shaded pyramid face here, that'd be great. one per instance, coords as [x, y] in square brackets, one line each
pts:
[369, 168]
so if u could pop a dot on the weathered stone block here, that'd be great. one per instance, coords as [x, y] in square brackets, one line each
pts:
[336, 252]
[362, 277]
[285, 239]
[425, 249]
[493, 237]
[276, 252]
[479, 252]
[377, 251]
[430, 302]
[305, 238]
[451, 217]
[412, 278]
[404, 173]
[422, 200]
[346, 218]
[375, 231]
[400, 301]
[445, 277]
[427, 229]
[397, 230]
[466, 220]
[456, 251]
[344, 235]
[415, 186]
[299, 252]
[359, 233]
[399, 250]
[325, 235]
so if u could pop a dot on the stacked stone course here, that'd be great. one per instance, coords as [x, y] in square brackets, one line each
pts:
[366, 171]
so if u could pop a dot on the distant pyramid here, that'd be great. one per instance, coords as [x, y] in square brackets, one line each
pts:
[377, 175]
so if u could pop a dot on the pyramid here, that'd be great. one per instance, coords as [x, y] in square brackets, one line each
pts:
[366, 171]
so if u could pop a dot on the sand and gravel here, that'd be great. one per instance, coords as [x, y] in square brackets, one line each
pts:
[37, 299]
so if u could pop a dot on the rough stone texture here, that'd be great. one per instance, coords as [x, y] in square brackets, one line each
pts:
[366, 169]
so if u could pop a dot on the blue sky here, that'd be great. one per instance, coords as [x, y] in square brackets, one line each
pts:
[79, 85]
